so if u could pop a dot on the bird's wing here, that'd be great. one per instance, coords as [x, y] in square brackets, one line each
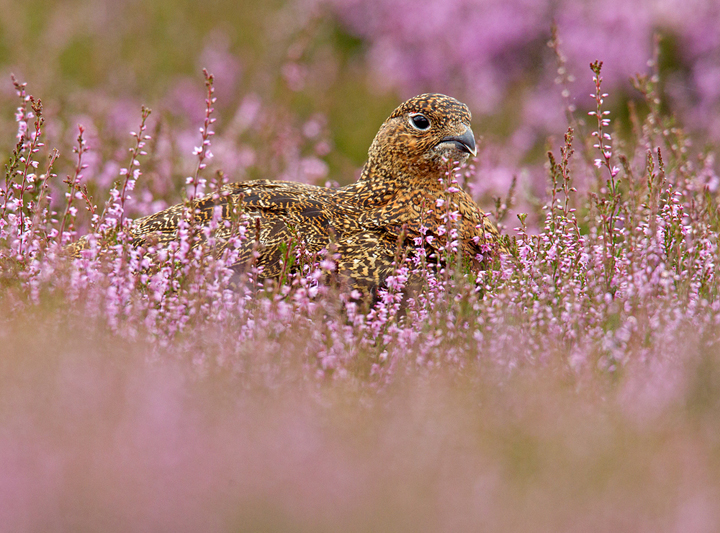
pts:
[277, 215]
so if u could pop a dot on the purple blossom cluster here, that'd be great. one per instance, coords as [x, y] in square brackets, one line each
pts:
[614, 273]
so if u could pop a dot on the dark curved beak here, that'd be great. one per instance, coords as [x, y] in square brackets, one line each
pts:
[464, 142]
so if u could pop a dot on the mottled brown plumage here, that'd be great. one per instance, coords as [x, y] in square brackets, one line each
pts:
[395, 195]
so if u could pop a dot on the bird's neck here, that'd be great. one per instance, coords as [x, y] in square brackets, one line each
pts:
[377, 185]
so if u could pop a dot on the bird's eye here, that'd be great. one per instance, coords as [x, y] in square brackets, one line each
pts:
[419, 122]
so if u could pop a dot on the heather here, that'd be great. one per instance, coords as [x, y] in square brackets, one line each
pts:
[572, 385]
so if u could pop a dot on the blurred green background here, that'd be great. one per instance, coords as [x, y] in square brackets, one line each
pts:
[81, 57]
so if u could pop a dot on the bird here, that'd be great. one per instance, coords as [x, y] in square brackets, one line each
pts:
[397, 202]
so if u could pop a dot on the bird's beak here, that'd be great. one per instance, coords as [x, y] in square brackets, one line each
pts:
[464, 142]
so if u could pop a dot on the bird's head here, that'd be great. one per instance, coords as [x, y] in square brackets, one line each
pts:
[421, 133]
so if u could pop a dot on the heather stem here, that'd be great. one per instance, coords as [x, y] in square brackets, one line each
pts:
[203, 151]
[608, 208]
[73, 181]
[131, 173]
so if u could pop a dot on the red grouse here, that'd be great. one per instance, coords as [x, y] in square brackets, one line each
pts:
[395, 196]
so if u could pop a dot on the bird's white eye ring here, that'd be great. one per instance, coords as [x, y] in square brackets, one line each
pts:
[419, 121]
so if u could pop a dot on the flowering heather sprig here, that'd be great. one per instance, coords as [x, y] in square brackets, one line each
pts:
[22, 117]
[21, 114]
[131, 173]
[561, 181]
[23, 204]
[603, 138]
[112, 221]
[41, 231]
[31, 146]
[74, 189]
[11, 168]
[381, 321]
[607, 205]
[203, 151]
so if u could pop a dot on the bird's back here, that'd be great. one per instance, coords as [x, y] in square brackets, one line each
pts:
[275, 214]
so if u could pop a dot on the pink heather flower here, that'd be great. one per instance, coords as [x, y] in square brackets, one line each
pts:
[327, 264]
